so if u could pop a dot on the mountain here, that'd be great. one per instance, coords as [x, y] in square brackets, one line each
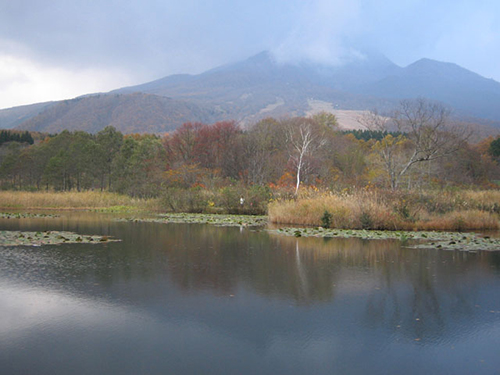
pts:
[468, 93]
[12, 117]
[129, 113]
[259, 87]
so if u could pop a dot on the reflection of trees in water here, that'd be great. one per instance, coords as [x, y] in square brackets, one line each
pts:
[426, 288]
[397, 285]
[411, 291]
[303, 269]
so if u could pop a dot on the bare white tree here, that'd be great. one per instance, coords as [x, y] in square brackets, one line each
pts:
[304, 140]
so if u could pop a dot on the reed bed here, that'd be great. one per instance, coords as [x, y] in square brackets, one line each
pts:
[70, 200]
[383, 210]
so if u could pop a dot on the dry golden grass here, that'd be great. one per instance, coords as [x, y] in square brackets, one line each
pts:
[69, 200]
[482, 199]
[348, 212]
[459, 221]
[467, 210]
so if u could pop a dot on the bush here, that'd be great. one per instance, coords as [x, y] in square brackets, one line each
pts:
[229, 199]
[366, 220]
[184, 200]
[258, 198]
[225, 200]
[326, 219]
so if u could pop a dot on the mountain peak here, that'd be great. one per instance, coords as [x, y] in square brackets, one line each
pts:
[429, 66]
[262, 57]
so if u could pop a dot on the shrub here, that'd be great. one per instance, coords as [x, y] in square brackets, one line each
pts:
[229, 199]
[366, 220]
[191, 200]
[326, 219]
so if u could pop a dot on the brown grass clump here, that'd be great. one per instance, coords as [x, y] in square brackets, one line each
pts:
[347, 211]
[485, 200]
[460, 221]
[392, 210]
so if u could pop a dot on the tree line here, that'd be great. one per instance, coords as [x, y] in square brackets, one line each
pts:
[13, 136]
[414, 147]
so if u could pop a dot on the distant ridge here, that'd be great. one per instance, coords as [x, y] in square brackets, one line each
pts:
[129, 113]
[468, 93]
[259, 87]
[12, 117]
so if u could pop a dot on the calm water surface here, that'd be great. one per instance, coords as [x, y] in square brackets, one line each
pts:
[197, 299]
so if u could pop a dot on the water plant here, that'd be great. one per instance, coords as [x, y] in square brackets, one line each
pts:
[24, 215]
[214, 219]
[427, 240]
[18, 238]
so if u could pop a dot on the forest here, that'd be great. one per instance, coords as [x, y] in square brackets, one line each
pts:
[20, 137]
[209, 167]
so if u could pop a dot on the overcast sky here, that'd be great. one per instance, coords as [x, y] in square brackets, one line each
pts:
[59, 49]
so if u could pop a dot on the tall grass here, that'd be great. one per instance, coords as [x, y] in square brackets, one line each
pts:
[467, 210]
[70, 200]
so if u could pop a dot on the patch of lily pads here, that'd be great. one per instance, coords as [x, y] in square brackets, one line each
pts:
[24, 215]
[18, 238]
[214, 219]
[422, 240]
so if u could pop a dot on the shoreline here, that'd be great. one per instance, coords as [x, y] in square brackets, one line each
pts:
[439, 240]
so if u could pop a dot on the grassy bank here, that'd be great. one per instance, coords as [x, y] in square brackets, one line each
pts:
[378, 210]
[384, 210]
[226, 200]
[73, 200]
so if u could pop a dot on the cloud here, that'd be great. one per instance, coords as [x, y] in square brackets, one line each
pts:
[321, 33]
[64, 46]
[24, 81]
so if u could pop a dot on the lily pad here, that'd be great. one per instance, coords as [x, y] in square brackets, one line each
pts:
[17, 238]
[220, 220]
[24, 215]
[423, 240]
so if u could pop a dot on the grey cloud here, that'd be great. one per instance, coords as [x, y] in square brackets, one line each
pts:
[153, 38]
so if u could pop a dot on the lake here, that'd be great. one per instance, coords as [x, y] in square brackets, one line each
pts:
[201, 299]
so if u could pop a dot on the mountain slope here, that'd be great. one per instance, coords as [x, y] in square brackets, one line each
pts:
[260, 87]
[129, 113]
[11, 117]
[244, 89]
[467, 92]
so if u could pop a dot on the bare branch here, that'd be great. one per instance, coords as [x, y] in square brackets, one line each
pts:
[424, 125]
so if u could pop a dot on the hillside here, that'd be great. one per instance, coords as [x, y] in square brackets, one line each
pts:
[129, 113]
[259, 87]
[11, 117]
[468, 93]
